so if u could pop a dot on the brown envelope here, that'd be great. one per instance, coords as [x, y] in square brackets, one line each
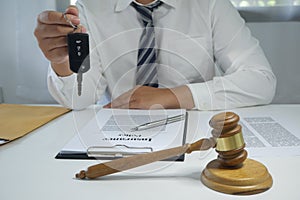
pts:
[19, 120]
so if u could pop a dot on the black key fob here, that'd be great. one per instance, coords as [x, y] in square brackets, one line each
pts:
[78, 48]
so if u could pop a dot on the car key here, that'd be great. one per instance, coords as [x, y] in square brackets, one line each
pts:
[79, 59]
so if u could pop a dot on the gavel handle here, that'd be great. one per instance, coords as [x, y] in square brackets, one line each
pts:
[123, 164]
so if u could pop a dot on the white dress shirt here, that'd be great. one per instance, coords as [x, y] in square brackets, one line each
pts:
[203, 44]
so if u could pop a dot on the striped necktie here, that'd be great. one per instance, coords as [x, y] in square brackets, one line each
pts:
[146, 62]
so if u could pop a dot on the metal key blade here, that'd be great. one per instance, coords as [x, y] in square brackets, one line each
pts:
[79, 83]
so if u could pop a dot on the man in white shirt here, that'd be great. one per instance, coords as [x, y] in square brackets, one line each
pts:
[196, 41]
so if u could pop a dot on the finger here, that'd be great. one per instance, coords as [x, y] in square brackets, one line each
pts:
[69, 14]
[72, 10]
[80, 29]
[58, 18]
[131, 105]
[121, 102]
[54, 43]
[49, 31]
[125, 106]
[107, 105]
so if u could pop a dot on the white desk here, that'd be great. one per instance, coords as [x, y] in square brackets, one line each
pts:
[28, 169]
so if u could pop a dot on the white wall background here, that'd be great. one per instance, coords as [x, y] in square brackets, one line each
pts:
[281, 43]
[23, 67]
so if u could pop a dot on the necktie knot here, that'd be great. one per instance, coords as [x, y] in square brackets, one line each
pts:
[146, 11]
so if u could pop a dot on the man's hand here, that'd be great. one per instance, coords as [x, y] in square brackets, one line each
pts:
[51, 33]
[143, 97]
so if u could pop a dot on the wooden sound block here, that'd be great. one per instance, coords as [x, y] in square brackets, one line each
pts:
[251, 178]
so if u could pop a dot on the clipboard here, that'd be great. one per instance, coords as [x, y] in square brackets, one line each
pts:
[119, 150]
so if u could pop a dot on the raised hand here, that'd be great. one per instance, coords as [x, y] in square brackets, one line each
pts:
[51, 33]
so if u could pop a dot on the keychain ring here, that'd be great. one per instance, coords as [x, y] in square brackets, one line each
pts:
[69, 21]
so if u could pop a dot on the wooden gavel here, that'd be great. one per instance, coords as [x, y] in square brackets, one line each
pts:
[229, 144]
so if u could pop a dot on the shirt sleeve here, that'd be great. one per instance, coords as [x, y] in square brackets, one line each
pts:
[247, 78]
[64, 89]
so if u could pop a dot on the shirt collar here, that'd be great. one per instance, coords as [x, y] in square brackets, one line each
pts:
[123, 4]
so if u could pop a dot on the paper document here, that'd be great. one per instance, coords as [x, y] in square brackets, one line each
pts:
[264, 136]
[109, 133]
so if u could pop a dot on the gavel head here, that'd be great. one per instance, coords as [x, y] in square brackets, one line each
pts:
[229, 139]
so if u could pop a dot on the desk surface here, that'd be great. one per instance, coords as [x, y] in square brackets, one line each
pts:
[28, 169]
